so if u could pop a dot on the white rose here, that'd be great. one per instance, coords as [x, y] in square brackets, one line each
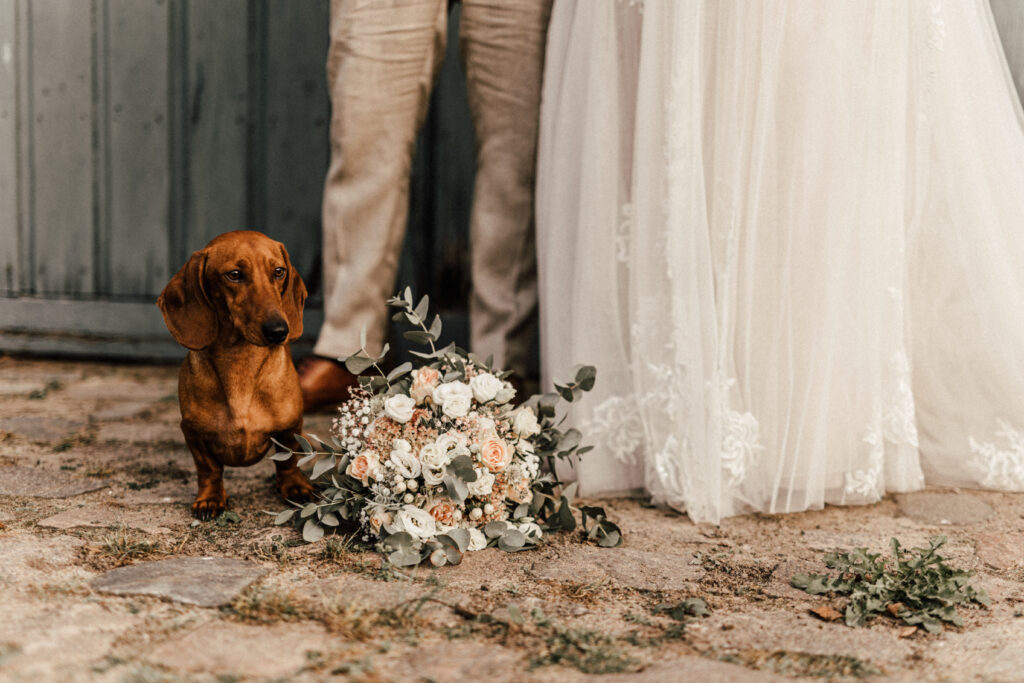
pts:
[477, 540]
[506, 394]
[399, 407]
[449, 441]
[404, 460]
[457, 406]
[485, 427]
[433, 476]
[524, 447]
[418, 523]
[531, 530]
[432, 456]
[455, 398]
[524, 422]
[485, 387]
[483, 484]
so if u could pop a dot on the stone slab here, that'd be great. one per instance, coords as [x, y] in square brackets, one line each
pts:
[202, 581]
[26, 558]
[119, 388]
[1000, 551]
[104, 516]
[640, 569]
[456, 660]
[18, 387]
[164, 493]
[140, 432]
[57, 640]
[39, 427]
[33, 482]
[278, 651]
[690, 669]
[943, 509]
[121, 410]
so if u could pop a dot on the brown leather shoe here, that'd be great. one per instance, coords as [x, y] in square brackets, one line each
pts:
[325, 383]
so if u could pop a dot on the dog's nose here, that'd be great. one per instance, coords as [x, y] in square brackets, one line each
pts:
[275, 330]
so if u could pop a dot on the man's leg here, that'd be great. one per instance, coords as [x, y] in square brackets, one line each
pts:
[503, 48]
[381, 66]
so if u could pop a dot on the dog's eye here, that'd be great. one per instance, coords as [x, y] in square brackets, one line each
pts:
[233, 275]
[279, 273]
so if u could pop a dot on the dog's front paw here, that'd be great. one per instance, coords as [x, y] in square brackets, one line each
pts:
[208, 507]
[295, 487]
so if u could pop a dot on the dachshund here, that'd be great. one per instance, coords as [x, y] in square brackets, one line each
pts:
[237, 305]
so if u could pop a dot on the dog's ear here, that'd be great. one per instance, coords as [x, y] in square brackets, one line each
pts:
[294, 299]
[187, 310]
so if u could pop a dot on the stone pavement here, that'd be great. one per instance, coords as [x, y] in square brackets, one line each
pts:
[104, 576]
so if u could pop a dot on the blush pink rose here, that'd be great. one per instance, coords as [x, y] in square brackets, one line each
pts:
[495, 454]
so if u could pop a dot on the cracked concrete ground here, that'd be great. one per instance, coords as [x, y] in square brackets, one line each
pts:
[101, 577]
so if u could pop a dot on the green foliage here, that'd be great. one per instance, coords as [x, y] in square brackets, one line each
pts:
[915, 586]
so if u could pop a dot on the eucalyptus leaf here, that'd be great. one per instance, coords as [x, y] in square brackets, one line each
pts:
[323, 465]
[284, 516]
[330, 519]
[312, 531]
[308, 510]
[419, 337]
[357, 365]
[460, 537]
[495, 528]
[405, 558]
[435, 327]
[281, 456]
[304, 442]
[462, 467]
[422, 307]
[399, 371]
[512, 541]
[457, 489]
[401, 540]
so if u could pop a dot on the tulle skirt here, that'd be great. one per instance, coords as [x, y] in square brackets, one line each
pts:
[791, 237]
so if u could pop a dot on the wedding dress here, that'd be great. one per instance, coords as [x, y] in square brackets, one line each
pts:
[790, 235]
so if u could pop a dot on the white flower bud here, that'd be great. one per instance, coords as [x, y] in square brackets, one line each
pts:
[412, 484]
[476, 513]
[408, 498]
[400, 486]
[488, 509]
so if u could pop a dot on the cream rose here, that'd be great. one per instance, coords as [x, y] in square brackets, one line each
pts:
[432, 456]
[477, 540]
[418, 523]
[485, 387]
[402, 457]
[423, 383]
[449, 441]
[483, 485]
[524, 422]
[506, 394]
[433, 476]
[495, 454]
[399, 407]
[455, 398]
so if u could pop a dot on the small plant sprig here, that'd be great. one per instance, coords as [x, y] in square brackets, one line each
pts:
[435, 460]
[915, 586]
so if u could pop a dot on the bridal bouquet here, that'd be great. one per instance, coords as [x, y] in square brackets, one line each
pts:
[437, 460]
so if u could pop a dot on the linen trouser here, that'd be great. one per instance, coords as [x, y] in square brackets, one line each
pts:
[383, 60]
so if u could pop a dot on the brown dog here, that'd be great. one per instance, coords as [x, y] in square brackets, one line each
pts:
[236, 305]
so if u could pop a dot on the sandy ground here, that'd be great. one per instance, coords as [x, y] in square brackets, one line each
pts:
[94, 477]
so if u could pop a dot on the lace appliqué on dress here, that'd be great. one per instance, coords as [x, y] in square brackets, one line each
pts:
[898, 426]
[741, 436]
[615, 424]
[1000, 469]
